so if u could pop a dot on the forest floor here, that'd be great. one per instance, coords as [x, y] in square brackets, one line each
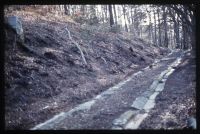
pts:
[46, 75]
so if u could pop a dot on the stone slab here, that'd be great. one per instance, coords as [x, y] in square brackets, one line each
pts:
[135, 122]
[85, 106]
[139, 103]
[124, 118]
[162, 75]
[108, 92]
[147, 93]
[168, 73]
[154, 84]
[160, 87]
[153, 96]
[149, 105]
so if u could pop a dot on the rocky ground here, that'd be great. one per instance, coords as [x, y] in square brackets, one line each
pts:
[46, 74]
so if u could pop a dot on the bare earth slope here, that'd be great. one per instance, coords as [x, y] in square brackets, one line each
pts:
[46, 74]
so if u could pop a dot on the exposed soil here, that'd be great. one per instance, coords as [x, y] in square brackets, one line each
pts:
[46, 74]
[177, 101]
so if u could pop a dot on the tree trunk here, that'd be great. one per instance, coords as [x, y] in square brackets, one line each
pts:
[92, 11]
[165, 27]
[193, 35]
[124, 12]
[83, 10]
[183, 37]
[159, 30]
[155, 35]
[129, 16]
[132, 20]
[176, 27]
[150, 27]
[115, 14]
[176, 31]
[106, 13]
[111, 15]
[102, 14]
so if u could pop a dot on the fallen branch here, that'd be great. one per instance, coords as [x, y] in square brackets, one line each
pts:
[77, 45]
[103, 59]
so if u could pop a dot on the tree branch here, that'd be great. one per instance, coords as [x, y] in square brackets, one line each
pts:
[78, 46]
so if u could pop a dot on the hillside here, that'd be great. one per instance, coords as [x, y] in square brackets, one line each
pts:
[46, 74]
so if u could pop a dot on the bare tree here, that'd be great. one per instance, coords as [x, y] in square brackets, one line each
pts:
[150, 25]
[175, 18]
[124, 13]
[165, 26]
[83, 10]
[115, 14]
[159, 27]
[111, 15]
[155, 31]
[66, 7]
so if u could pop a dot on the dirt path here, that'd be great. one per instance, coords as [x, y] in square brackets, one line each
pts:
[113, 108]
[176, 104]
